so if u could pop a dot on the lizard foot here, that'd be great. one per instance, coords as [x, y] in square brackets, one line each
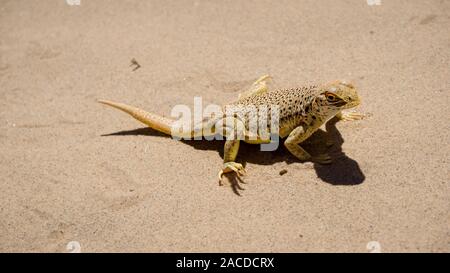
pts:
[348, 116]
[264, 79]
[231, 167]
[322, 159]
[329, 143]
[258, 87]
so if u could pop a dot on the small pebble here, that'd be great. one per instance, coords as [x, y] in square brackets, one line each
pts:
[283, 172]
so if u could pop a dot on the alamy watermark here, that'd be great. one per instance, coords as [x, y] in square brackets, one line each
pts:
[73, 247]
[374, 247]
[73, 2]
[251, 123]
[373, 2]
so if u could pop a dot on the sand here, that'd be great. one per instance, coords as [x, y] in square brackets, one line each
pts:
[74, 170]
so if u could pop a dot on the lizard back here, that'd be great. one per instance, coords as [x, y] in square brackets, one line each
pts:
[295, 107]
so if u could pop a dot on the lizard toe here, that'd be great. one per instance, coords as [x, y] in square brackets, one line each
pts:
[322, 159]
[229, 167]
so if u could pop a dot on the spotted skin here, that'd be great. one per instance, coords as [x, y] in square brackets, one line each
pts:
[301, 112]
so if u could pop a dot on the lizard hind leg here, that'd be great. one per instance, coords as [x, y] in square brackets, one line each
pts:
[231, 149]
[258, 87]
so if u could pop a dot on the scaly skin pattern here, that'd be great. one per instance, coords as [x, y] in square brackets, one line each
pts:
[301, 112]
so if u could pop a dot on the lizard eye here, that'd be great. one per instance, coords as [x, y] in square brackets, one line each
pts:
[330, 97]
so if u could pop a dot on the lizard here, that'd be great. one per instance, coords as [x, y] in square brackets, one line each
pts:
[301, 112]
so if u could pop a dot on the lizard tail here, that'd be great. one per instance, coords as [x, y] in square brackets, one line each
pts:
[154, 121]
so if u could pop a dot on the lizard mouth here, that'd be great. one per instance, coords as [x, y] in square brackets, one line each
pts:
[340, 103]
[353, 103]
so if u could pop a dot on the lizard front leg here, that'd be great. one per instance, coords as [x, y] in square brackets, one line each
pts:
[348, 116]
[297, 136]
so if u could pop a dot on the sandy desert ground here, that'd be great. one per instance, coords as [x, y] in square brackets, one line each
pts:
[74, 170]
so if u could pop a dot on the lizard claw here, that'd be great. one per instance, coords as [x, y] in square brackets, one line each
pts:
[231, 167]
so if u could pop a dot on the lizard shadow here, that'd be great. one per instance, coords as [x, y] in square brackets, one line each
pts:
[198, 145]
[343, 171]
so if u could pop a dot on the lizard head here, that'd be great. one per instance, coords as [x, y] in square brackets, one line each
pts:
[339, 95]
